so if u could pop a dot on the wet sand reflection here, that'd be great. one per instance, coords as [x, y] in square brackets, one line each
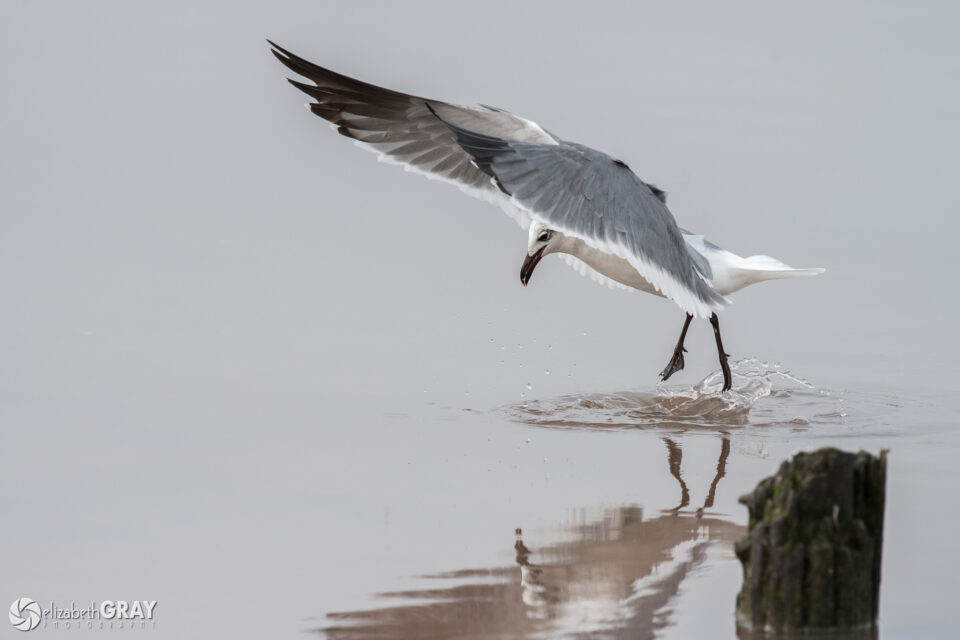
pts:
[615, 575]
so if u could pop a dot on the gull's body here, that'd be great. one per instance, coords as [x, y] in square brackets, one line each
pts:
[576, 201]
[728, 271]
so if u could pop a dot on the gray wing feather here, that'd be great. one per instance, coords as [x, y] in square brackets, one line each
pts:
[703, 265]
[585, 193]
[408, 130]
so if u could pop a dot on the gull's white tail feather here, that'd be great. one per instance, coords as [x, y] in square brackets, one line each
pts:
[730, 272]
[760, 268]
[767, 263]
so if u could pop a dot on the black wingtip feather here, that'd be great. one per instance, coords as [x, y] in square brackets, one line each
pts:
[313, 91]
[279, 50]
[333, 81]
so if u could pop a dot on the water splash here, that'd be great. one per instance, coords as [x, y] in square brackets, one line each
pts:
[702, 405]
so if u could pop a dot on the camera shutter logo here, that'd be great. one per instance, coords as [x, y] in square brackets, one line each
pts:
[25, 614]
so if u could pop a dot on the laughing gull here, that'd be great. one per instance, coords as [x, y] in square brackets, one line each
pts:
[580, 203]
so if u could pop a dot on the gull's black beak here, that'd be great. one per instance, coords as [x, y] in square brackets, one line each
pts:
[529, 264]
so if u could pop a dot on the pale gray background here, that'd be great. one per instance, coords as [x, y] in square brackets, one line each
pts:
[236, 350]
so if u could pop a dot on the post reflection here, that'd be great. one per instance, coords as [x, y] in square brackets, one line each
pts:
[617, 574]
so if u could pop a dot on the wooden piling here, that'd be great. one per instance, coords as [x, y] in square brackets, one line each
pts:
[811, 555]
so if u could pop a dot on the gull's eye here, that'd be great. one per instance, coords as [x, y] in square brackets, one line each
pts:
[543, 236]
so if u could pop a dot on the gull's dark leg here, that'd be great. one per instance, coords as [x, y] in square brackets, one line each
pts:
[676, 362]
[727, 378]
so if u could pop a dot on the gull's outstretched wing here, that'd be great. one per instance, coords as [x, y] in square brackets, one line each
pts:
[408, 130]
[505, 159]
[588, 195]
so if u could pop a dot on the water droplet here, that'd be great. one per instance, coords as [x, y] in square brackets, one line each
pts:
[584, 334]
[491, 339]
[547, 372]
[519, 346]
[529, 387]
[549, 347]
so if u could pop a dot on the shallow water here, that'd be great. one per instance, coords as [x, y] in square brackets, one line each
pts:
[702, 405]
[623, 571]
[762, 395]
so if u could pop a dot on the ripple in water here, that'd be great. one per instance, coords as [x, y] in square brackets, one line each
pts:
[799, 404]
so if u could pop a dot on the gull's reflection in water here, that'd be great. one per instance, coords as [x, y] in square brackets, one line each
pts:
[616, 574]
[675, 459]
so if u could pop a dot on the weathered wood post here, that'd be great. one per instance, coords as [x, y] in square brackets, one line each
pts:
[811, 555]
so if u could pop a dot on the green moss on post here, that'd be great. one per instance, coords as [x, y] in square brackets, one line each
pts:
[811, 556]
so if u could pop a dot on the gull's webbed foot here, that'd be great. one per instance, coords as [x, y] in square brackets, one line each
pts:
[675, 364]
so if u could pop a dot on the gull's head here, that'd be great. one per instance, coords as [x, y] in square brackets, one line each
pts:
[541, 242]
